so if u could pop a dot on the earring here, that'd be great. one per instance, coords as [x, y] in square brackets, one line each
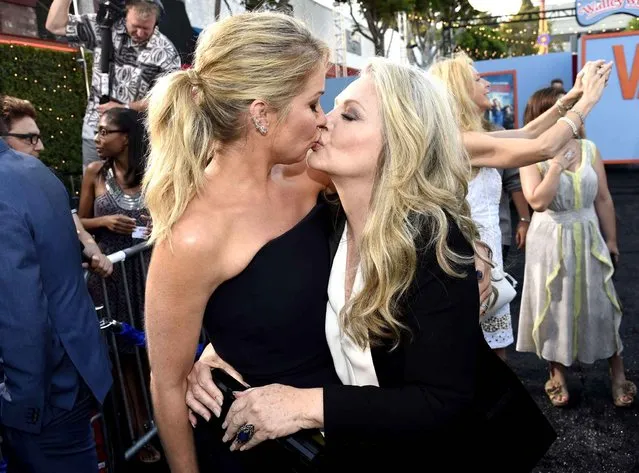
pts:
[261, 128]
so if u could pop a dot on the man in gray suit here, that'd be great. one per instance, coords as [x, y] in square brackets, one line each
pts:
[55, 361]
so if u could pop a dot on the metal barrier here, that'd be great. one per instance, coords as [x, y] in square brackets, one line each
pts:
[113, 328]
[109, 458]
[123, 392]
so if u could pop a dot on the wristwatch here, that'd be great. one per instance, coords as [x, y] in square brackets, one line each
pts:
[524, 219]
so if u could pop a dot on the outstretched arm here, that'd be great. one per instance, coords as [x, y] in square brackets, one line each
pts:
[489, 150]
[58, 17]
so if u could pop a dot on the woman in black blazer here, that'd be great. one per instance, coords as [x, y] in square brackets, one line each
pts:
[420, 383]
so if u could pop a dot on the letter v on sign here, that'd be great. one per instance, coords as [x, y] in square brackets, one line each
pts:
[628, 80]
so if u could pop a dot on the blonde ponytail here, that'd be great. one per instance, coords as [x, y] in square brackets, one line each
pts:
[181, 136]
[266, 56]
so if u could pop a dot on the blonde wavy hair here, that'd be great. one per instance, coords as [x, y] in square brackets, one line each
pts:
[420, 186]
[457, 75]
[268, 56]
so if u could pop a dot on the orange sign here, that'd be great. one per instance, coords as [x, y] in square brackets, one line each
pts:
[612, 124]
[628, 78]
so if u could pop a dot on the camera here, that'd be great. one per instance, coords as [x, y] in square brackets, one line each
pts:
[109, 11]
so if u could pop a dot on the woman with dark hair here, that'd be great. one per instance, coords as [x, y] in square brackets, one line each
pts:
[112, 208]
[110, 201]
[541, 101]
[569, 308]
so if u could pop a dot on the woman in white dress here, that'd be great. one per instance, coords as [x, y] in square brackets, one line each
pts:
[539, 140]
[569, 307]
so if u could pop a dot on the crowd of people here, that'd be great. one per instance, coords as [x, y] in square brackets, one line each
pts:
[341, 265]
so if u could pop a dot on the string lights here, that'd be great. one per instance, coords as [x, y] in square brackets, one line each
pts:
[500, 36]
[485, 33]
[59, 92]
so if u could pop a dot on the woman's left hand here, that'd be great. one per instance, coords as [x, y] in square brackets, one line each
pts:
[577, 89]
[149, 224]
[274, 411]
[100, 265]
[520, 234]
[614, 251]
[575, 92]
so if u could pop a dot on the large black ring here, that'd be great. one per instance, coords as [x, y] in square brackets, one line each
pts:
[245, 433]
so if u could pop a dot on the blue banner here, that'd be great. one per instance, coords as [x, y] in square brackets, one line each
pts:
[590, 12]
[612, 124]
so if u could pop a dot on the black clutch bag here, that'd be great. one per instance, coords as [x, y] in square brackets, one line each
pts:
[300, 452]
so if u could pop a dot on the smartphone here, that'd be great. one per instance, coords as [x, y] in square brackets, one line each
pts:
[303, 450]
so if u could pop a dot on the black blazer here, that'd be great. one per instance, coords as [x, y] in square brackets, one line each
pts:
[445, 400]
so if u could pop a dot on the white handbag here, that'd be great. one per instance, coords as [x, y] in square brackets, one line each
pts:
[503, 292]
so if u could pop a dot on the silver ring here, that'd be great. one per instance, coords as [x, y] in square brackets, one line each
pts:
[484, 306]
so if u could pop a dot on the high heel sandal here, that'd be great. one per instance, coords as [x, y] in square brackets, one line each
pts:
[625, 389]
[555, 391]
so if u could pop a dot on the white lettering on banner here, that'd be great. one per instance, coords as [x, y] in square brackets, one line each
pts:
[598, 7]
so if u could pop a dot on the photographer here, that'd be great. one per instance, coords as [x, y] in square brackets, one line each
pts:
[140, 55]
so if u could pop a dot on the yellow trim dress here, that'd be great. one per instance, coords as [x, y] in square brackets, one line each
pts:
[569, 307]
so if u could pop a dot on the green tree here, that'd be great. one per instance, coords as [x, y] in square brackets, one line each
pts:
[511, 38]
[482, 42]
[633, 25]
[521, 37]
[427, 24]
[380, 16]
[54, 82]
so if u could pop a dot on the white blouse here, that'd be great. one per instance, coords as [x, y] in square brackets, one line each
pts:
[354, 366]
